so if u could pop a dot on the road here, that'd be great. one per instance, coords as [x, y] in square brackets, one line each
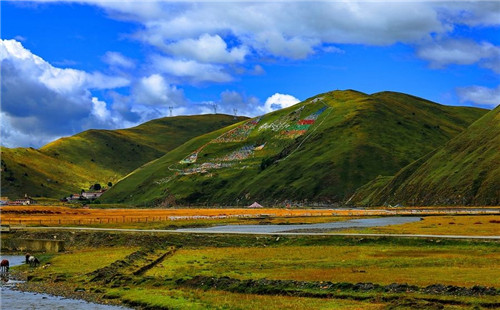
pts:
[187, 231]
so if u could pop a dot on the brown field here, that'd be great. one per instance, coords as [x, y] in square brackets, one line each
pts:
[189, 217]
[472, 225]
[57, 215]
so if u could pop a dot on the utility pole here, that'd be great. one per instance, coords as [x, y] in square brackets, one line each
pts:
[171, 109]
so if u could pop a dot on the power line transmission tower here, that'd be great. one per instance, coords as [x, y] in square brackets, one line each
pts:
[214, 106]
[235, 113]
[171, 109]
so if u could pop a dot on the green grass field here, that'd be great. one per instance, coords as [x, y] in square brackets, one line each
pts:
[266, 272]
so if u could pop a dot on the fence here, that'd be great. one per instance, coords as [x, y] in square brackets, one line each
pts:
[150, 219]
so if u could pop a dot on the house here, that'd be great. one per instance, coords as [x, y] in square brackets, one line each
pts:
[22, 202]
[73, 197]
[4, 201]
[255, 205]
[92, 195]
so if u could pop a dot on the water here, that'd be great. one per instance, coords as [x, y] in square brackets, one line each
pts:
[358, 223]
[17, 300]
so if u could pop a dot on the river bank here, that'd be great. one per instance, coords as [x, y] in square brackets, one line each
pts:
[18, 293]
[151, 270]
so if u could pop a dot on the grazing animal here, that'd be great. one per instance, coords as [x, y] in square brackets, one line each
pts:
[4, 265]
[33, 261]
[27, 258]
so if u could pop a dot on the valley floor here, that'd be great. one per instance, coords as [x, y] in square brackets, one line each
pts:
[194, 271]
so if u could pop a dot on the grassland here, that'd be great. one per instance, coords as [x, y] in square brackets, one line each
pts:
[70, 164]
[413, 265]
[356, 138]
[248, 272]
[483, 225]
[465, 171]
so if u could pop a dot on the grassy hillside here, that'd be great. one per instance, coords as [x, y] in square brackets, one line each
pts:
[466, 171]
[320, 150]
[98, 156]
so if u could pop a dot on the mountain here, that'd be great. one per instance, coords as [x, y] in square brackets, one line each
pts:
[98, 156]
[466, 171]
[318, 151]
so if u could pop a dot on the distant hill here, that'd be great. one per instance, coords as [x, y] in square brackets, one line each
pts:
[466, 171]
[318, 151]
[98, 156]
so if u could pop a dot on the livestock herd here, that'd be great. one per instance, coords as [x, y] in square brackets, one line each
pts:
[29, 259]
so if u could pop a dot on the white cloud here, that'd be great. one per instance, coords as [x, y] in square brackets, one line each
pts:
[257, 70]
[244, 105]
[99, 109]
[41, 102]
[154, 90]
[282, 29]
[461, 52]
[207, 49]
[227, 32]
[20, 38]
[191, 70]
[278, 101]
[480, 95]
[117, 59]
[65, 81]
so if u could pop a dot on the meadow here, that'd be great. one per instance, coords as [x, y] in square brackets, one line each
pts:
[178, 271]
[471, 225]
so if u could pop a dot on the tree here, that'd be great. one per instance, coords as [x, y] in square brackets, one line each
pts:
[96, 187]
[110, 184]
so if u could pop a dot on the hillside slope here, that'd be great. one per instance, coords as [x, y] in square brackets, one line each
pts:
[98, 156]
[320, 150]
[466, 171]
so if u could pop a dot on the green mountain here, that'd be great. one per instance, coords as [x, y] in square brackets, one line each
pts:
[466, 171]
[98, 156]
[320, 150]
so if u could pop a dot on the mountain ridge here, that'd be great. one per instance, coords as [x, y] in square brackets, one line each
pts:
[320, 150]
[98, 156]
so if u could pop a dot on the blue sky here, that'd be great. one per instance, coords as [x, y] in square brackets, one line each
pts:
[68, 66]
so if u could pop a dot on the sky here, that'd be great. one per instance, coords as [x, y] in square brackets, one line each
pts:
[69, 66]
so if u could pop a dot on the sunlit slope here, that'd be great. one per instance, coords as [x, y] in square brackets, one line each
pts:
[98, 156]
[117, 152]
[320, 150]
[466, 171]
[29, 171]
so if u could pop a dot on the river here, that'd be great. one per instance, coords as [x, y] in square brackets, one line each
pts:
[357, 223]
[12, 299]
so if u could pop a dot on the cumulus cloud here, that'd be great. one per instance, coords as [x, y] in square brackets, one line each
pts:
[191, 70]
[278, 101]
[207, 49]
[65, 81]
[232, 102]
[117, 59]
[217, 34]
[461, 52]
[154, 90]
[291, 29]
[480, 95]
[477, 13]
[41, 102]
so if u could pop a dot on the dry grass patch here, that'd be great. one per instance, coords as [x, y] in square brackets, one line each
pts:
[470, 225]
[381, 264]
